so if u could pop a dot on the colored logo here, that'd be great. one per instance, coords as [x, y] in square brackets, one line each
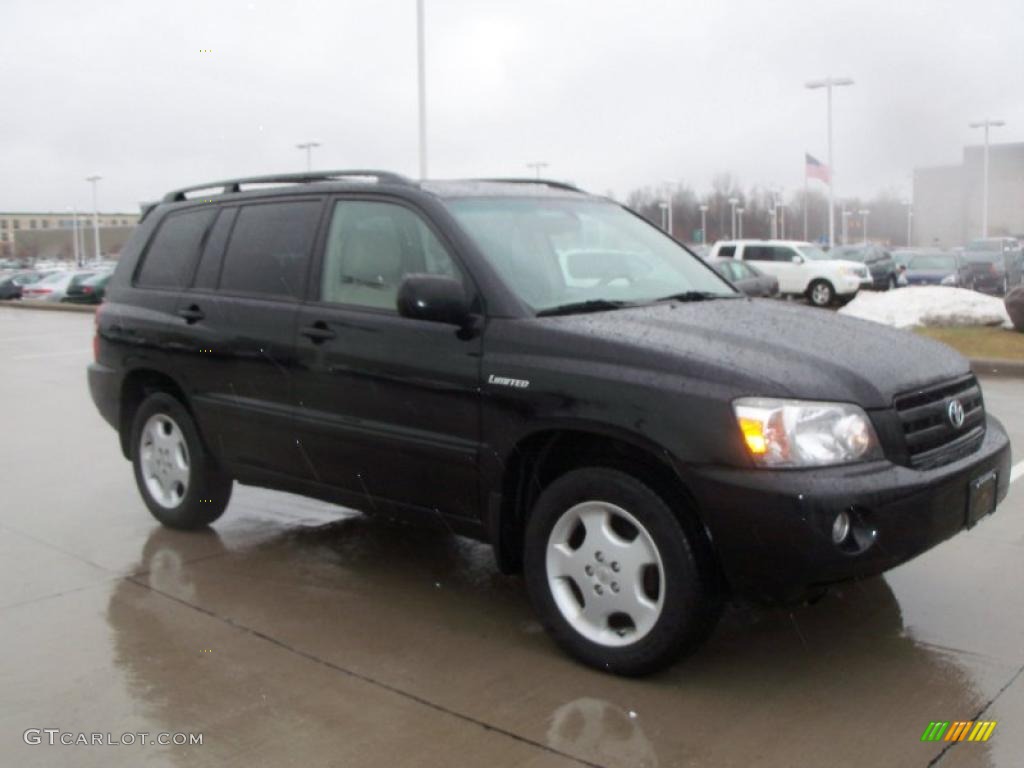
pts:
[955, 412]
[959, 730]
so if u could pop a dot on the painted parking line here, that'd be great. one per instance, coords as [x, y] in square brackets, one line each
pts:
[1017, 472]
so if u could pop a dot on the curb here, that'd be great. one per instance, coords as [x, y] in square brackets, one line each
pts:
[986, 366]
[49, 306]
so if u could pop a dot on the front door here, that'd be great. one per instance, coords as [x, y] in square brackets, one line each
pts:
[388, 407]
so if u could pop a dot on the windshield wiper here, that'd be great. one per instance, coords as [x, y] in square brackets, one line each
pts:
[590, 305]
[698, 296]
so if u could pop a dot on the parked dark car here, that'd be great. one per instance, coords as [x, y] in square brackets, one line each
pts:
[746, 277]
[11, 284]
[993, 265]
[541, 369]
[89, 291]
[935, 268]
[879, 262]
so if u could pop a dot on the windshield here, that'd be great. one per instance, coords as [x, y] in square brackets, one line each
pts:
[986, 245]
[933, 261]
[814, 253]
[558, 252]
[982, 257]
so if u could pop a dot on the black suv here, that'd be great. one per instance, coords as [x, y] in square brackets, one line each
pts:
[543, 370]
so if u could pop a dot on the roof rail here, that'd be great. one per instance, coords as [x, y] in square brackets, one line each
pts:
[546, 182]
[234, 185]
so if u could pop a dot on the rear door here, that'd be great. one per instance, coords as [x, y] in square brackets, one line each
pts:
[239, 317]
[777, 261]
[388, 407]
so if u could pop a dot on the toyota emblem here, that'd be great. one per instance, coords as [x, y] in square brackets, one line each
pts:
[955, 412]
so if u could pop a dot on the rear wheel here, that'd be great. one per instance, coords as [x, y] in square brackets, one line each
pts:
[614, 576]
[821, 293]
[178, 480]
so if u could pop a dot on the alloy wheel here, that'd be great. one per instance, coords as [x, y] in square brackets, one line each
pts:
[165, 461]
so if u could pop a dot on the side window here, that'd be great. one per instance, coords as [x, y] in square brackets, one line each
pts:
[172, 254]
[727, 251]
[781, 254]
[757, 253]
[371, 246]
[213, 251]
[741, 271]
[269, 248]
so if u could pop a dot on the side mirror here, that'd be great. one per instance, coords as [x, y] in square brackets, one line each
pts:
[435, 298]
[797, 259]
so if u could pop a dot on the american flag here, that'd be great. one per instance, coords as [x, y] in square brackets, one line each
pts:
[815, 169]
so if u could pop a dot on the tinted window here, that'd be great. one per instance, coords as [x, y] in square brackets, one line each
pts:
[172, 255]
[270, 247]
[727, 251]
[762, 253]
[371, 247]
[213, 252]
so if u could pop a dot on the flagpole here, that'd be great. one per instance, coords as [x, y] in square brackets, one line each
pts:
[805, 197]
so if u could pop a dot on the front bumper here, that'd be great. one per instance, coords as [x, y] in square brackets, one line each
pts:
[772, 529]
[847, 285]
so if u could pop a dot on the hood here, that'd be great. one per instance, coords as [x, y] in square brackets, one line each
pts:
[770, 348]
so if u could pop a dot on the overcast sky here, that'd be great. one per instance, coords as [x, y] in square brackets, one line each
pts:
[614, 95]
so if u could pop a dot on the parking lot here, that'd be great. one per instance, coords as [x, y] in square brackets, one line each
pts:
[296, 633]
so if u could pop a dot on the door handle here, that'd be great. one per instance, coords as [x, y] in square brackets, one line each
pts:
[192, 314]
[318, 332]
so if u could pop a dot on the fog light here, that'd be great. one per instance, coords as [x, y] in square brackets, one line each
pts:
[840, 528]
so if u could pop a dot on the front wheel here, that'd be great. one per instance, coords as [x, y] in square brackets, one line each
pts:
[821, 293]
[178, 480]
[614, 576]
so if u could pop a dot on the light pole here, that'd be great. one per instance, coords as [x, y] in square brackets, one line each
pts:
[537, 165]
[74, 236]
[95, 214]
[732, 207]
[910, 223]
[782, 219]
[739, 214]
[421, 56]
[670, 185]
[864, 222]
[703, 225]
[846, 216]
[829, 83]
[309, 146]
[664, 215]
[986, 124]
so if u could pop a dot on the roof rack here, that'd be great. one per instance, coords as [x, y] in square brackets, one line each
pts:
[234, 185]
[546, 182]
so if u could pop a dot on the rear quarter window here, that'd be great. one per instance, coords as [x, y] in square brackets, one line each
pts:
[171, 256]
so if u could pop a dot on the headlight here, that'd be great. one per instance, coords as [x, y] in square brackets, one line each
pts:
[800, 433]
[950, 280]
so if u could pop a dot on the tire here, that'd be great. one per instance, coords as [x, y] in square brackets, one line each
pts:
[179, 481]
[680, 602]
[821, 293]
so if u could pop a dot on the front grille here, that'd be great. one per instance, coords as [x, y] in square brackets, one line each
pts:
[931, 439]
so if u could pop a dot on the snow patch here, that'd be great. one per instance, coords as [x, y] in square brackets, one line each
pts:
[928, 305]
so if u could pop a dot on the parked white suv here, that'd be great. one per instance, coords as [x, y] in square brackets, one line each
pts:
[803, 269]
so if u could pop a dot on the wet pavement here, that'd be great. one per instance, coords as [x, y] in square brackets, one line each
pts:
[295, 633]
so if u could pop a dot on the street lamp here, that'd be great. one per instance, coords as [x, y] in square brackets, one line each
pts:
[864, 222]
[309, 146]
[664, 215]
[829, 83]
[986, 124]
[703, 225]
[739, 214]
[74, 236]
[670, 184]
[421, 78]
[846, 215]
[910, 222]
[733, 201]
[537, 165]
[95, 214]
[782, 218]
